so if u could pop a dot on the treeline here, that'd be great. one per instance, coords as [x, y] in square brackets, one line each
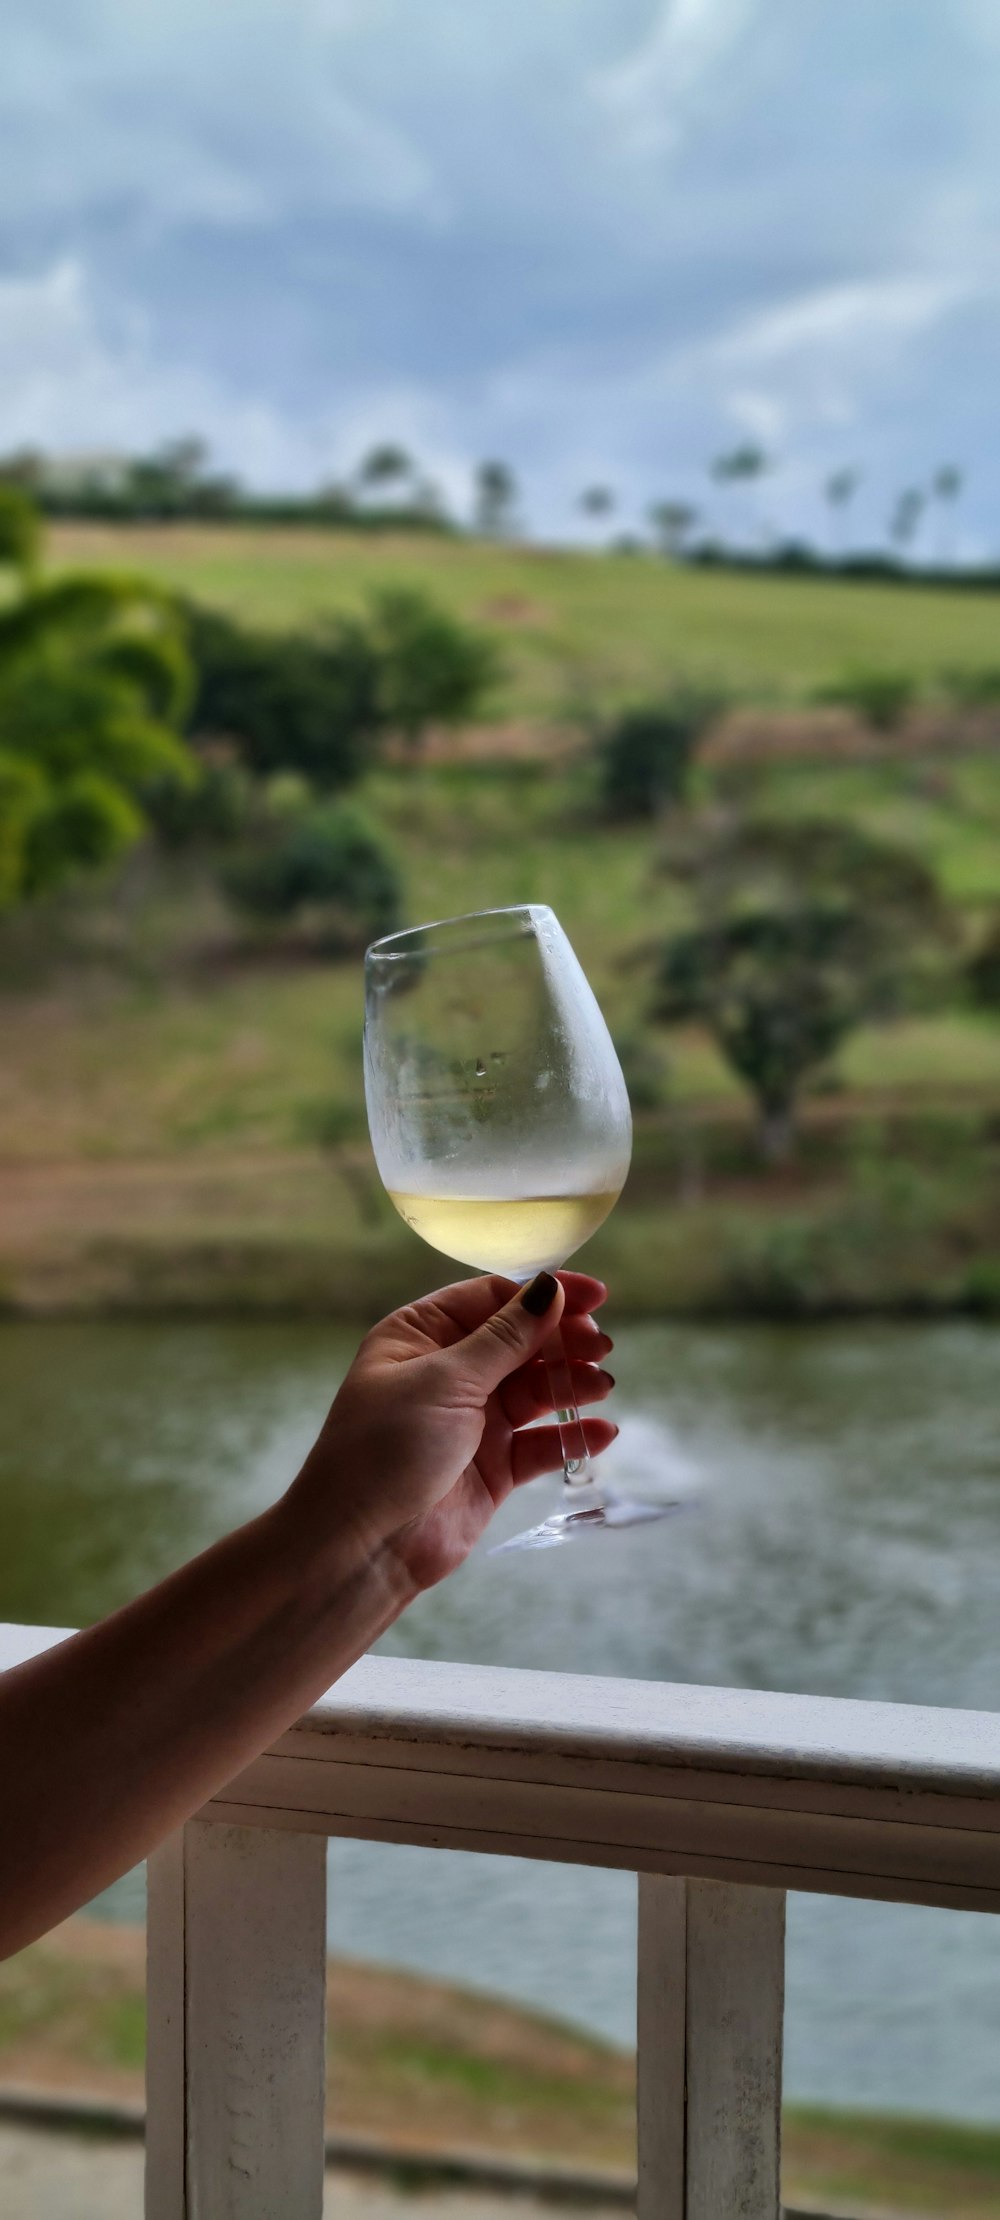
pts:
[128, 713]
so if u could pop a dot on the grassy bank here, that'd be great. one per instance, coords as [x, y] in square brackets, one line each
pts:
[182, 1124]
[572, 623]
[421, 2064]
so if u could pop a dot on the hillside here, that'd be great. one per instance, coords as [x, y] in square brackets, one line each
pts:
[578, 627]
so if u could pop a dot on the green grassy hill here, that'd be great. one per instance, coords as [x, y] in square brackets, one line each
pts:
[203, 1103]
[576, 625]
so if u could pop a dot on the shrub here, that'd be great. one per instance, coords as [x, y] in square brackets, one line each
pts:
[432, 668]
[327, 864]
[645, 1068]
[974, 689]
[645, 757]
[983, 969]
[289, 701]
[880, 698]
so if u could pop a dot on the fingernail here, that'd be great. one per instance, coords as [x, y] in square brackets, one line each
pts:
[608, 1376]
[540, 1293]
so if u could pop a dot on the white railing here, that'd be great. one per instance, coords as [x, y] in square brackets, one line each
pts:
[718, 1799]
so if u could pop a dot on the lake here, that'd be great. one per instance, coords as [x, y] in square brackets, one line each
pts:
[841, 1535]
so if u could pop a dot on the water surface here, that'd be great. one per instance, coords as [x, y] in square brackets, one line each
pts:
[842, 1536]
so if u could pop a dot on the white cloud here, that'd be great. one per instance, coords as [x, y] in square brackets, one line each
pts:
[236, 116]
[859, 318]
[70, 383]
[652, 92]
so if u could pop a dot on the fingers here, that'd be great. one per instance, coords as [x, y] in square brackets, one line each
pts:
[508, 1337]
[527, 1394]
[452, 1312]
[539, 1450]
[581, 1338]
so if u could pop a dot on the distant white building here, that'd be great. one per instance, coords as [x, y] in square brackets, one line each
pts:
[97, 469]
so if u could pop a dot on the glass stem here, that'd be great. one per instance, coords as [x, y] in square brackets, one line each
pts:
[578, 1472]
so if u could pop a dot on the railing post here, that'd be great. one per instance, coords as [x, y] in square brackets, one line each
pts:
[710, 2005]
[236, 2002]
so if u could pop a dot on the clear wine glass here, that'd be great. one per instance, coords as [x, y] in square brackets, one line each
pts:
[501, 1126]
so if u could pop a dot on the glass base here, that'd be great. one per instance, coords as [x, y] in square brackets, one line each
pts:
[595, 1512]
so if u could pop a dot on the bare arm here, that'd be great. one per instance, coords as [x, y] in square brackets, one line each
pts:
[113, 1738]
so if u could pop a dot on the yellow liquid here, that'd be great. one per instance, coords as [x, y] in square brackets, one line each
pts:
[513, 1237]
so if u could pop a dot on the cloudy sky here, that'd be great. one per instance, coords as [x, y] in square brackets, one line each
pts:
[601, 238]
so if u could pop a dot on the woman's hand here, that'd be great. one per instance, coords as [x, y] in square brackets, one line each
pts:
[427, 1435]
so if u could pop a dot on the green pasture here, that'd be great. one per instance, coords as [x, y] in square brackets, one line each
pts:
[579, 628]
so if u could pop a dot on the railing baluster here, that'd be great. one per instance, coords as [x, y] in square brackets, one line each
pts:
[710, 2004]
[237, 1972]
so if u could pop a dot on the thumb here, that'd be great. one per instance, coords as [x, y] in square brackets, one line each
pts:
[513, 1334]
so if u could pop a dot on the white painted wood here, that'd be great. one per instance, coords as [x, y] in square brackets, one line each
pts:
[165, 2103]
[710, 2006]
[735, 2004]
[235, 2092]
[876, 1800]
[661, 2030]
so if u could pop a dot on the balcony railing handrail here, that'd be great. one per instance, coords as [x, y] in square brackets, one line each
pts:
[826, 1794]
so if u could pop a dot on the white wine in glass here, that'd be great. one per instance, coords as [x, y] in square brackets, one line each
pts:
[500, 1124]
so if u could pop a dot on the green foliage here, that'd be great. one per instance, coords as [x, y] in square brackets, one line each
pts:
[305, 702]
[93, 678]
[880, 698]
[327, 863]
[646, 756]
[804, 931]
[974, 687]
[433, 669]
[20, 530]
[645, 1069]
[983, 969]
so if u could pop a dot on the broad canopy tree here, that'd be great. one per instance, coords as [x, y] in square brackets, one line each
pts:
[94, 683]
[804, 931]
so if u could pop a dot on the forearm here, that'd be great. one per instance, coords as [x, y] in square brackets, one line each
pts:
[115, 1737]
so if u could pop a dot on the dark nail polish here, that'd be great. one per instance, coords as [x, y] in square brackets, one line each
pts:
[540, 1293]
[608, 1376]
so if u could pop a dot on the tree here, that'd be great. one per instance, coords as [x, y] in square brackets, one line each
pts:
[432, 669]
[946, 485]
[672, 522]
[329, 865]
[597, 502]
[904, 521]
[803, 932]
[646, 755]
[94, 682]
[740, 465]
[20, 532]
[384, 465]
[841, 486]
[307, 702]
[495, 505]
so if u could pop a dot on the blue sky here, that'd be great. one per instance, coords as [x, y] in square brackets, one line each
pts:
[601, 238]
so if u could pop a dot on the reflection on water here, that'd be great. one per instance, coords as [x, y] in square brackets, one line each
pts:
[842, 1537]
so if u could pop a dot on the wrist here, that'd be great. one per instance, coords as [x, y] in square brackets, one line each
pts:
[339, 1567]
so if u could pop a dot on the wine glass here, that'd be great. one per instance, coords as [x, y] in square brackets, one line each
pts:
[501, 1126]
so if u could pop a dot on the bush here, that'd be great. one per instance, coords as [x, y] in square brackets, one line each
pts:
[432, 668]
[880, 698]
[289, 701]
[645, 1069]
[325, 864]
[646, 756]
[974, 689]
[983, 969]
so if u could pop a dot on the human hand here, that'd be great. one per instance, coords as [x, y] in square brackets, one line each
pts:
[427, 1434]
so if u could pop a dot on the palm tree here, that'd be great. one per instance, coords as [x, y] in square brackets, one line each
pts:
[384, 465]
[740, 465]
[672, 521]
[495, 500]
[840, 488]
[904, 522]
[946, 485]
